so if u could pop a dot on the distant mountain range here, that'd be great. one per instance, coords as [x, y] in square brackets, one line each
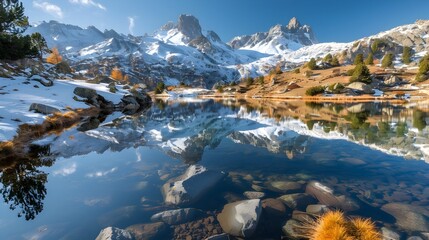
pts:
[184, 52]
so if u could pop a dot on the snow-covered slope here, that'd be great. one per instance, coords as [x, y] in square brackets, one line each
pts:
[18, 94]
[68, 38]
[185, 52]
[278, 40]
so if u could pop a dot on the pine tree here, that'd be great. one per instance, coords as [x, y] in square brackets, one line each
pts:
[54, 57]
[370, 59]
[423, 72]
[39, 43]
[387, 61]
[327, 58]
[12, 18]
[116, 74]
[13, 23]
[361, 74]
[406, 55]
[312, 64]
[358, 59]
[334, 62]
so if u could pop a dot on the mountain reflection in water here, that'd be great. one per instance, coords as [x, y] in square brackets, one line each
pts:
[356, 149]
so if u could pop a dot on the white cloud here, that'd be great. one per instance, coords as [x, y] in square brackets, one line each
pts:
[131, 25]
[66, 170]
[101, 173]
[88, 3]
[50, 8]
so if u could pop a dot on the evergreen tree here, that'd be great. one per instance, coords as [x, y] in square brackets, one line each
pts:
[327, 58]
[423, 72]
[406, 55]
[334, 62]
[387, 61]
[370, 59]
[361, 74]
[39, 43]
[312, 64]
[358, 59]
[12, 18]
[13, 23]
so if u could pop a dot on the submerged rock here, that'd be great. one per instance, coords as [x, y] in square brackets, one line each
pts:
[297, 200]
[291, 229]
[409, 217]
[149, 231]
[285, 186]
[240, 218]
[178, 216]
[190, 186]
[317, 209]
[112, 233]
[273, 207]
[326, 196]
[222, 236]
[254, 195]
[389, 234]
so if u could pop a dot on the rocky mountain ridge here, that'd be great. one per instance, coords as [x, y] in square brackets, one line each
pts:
[183, 52]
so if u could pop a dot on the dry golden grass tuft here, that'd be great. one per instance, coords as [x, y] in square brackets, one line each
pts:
[364, 229]
[335, 226]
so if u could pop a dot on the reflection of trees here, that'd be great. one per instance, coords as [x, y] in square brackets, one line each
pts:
[23, 184]
[419, 119]
[357, 120]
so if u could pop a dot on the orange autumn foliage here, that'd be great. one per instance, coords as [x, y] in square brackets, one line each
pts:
[116, 74]
[54, 57]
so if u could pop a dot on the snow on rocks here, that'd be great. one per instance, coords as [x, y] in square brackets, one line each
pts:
[19, 93]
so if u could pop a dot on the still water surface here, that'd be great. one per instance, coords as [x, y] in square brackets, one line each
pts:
[82, 182]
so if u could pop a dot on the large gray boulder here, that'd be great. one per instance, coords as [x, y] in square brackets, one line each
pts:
[178, 216]
[240, 218]
[85, 92]
[190, 186]
[360, 87]
[326, 196]
[43, 109]
[392, 80]
[409, 217]
[112, 233]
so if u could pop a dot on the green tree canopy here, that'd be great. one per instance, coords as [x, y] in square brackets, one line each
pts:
[13, 23]
[312, 64]
[370, 59]
[387, 61]
[12, 18]
[406, 55]
[361, 74]
[334, 62]
[423, 69]
[358, 59]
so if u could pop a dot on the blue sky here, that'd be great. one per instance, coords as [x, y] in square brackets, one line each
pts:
[340, 20]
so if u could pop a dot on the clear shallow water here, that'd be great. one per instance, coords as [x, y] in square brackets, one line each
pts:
[112, 176]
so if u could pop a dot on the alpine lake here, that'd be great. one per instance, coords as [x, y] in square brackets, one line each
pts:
[367, 159]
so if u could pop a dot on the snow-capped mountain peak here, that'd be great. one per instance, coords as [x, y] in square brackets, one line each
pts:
[278, 40]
